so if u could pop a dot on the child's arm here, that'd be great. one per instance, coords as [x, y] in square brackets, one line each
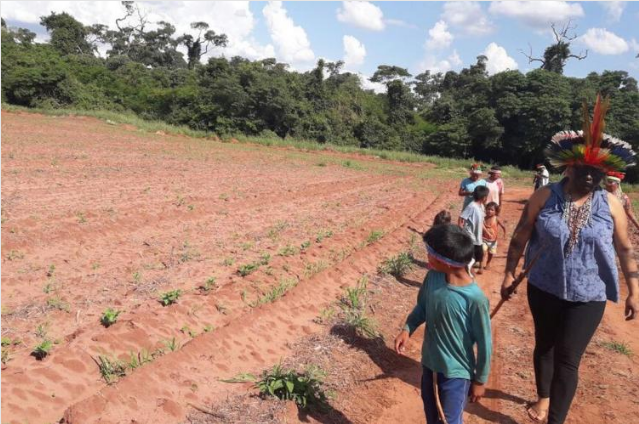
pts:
[480, 321]
[416, 318]
[502, 226]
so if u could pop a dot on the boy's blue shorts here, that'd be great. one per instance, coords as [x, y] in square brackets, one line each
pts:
[453, 395]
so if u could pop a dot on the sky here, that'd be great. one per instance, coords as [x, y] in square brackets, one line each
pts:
[435, 36]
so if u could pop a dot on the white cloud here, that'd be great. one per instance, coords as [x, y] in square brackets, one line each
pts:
[291, 41]
[400, 23]
[614, 9]
[468, 17]
[354, 51]
[537, 14]
[634, 45]
[432, 64]
[498, 59]
[367, 84]
[231, 18]
[603, 41]
[439, 37]
[362, 14]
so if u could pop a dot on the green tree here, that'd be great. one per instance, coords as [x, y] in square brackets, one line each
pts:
[68, 36]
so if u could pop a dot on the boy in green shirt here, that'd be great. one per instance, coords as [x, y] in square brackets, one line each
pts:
[457, 318]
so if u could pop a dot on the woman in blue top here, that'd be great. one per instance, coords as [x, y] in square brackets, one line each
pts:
[575, 228]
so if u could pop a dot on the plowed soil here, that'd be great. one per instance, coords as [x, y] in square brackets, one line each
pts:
[98, 216]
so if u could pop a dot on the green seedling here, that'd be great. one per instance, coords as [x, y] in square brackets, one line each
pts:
[137, 277]
[109, 317]
[208, 328]
[322, 234]
[397, 266]
[172, 344]
[305, 245]
[265, 259]
[247, 269]
[618, 347]
[287, 251]
[41, 330]
[277, 292]
[242, 377]
[51, 271]
[57, 303]
[187, 330]
[170, 297]
[208, 285]
[110, 369]
[6, 355]
[374, 236]
[42, 350]
[14, 255]
[228, 261]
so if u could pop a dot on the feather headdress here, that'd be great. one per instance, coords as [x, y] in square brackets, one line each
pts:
[591, 146]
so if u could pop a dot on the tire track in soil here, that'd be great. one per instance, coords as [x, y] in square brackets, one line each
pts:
[159, 392]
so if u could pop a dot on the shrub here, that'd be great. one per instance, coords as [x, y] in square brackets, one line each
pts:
[305, 389]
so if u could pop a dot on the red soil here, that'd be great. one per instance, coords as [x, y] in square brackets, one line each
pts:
[125, 215]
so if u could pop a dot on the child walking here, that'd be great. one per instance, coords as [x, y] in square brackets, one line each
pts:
[491, 231]
[472, 220]
[456, 314]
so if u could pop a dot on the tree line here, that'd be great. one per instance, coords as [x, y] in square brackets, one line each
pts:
[505, 118]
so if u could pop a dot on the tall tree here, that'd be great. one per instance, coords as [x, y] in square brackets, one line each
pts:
[198, 46]
[557, 54]
[68, 35]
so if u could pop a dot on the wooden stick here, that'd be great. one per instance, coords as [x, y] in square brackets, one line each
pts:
[438, 402]
[517, 282]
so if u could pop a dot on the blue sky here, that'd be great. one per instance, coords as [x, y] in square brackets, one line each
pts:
[417, 35]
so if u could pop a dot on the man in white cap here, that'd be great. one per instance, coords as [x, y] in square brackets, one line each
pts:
[469, 184]
[542, 177]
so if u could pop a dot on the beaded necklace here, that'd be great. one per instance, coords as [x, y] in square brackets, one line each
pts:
[576, 218]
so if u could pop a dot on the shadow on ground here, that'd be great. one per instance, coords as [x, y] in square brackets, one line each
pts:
[409, 371]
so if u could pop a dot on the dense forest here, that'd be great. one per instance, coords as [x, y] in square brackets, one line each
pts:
[505, 118]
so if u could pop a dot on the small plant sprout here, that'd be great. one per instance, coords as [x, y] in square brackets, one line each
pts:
[228, 261]
[170, 297]
[57, 303]
[208, 285]
[305, 245]
[51, 271]
[109, 317]
[81, 217]
[110, 369]
[172, 344]
[137, 277]
[41, 330]
[374, 236]
[322, 234]
[265, 259]
[280, 290]
[207, 328]
[397, 266]
[247, 269]
[42, 350]
[618, 347]
[288, 250]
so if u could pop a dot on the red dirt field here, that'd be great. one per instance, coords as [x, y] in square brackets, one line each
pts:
[98, 216]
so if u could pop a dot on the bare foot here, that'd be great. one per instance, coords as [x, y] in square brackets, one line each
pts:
[487, 267]
[538, 411]
[479, 271]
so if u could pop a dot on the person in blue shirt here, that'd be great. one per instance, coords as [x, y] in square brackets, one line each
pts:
[455, 311]
[469, 184]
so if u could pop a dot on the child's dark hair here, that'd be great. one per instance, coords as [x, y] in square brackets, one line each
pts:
[481, 192]
[494, 205]
[442, 218]
[451, 241]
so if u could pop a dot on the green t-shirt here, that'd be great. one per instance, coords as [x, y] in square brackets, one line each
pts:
[457, 319]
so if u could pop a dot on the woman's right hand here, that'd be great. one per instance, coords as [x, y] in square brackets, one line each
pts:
[506, 290]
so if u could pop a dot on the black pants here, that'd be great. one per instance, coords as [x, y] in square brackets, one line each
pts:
[479, 254]
[563, 330]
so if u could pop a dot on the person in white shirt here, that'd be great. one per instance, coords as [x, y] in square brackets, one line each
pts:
[542, 177]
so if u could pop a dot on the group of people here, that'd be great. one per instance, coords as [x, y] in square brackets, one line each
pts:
[570, 233]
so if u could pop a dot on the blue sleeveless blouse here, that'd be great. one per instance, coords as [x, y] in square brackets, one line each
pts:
[589, 273]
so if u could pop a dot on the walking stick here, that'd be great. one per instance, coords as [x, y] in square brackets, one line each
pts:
[438, 402]
[517, 282]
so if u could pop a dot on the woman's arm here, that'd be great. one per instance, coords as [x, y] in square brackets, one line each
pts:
[521, 235]
[624, 250]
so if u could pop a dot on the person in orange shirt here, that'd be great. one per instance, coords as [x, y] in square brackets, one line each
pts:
[491, 231]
